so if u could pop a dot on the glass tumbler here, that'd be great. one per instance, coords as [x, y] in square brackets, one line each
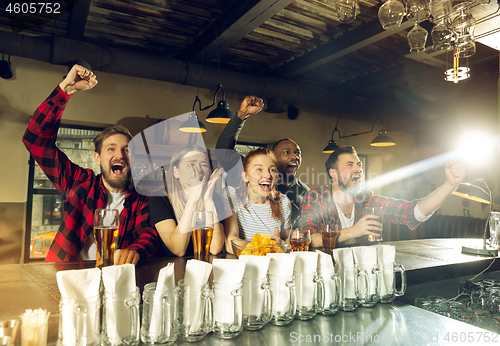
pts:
[79, 323]
[228, 310]
[494, 229]
[309, 290]
[257, 303]
[158, 316]
[388, 290]
[120, 321]
[194, 311]
[331, 293]
[284, 305]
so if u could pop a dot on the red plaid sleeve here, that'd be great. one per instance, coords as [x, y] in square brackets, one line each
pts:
[40, 140]
[312, 211]
[397, 210]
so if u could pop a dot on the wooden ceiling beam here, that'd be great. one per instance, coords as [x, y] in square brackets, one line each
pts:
[240, 19]
[78, 21]
[348, 43]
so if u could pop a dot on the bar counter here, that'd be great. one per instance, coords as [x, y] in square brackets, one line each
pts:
[31, 286]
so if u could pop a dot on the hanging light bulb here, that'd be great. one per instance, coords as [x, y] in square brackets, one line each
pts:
[456, 73]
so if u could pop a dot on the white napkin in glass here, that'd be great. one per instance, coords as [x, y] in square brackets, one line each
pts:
[305, 261]
[326, 268]
[195, 276]
[226, 272]
[166, 281]
[306, 265]
[325, 262]
[281, 265]
[118, 280]
[347, 277]
[255, 269]
[366, 257]
[386, 256]
[78, 285]
[256, 266]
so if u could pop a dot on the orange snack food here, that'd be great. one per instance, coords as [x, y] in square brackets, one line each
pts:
[261, 245]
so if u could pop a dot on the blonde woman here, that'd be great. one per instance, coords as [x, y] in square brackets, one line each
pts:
[190, 188]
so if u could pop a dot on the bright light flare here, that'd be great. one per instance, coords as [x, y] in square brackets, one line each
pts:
[476, 148]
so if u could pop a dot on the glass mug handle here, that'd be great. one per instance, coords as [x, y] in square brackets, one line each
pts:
[208, 313]
[268, 302]
[132, 304]
[319, 293]
[291, 304]
[399, 268]
[166, 305]
[81, 324]
[364, 274]
[336, 280]
[237, 310]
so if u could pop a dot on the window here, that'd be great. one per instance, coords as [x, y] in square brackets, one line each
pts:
[45, 204]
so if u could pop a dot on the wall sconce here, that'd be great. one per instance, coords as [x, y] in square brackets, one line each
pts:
[6, 68]
[382, 140]
[193, 125]
[222, 114]
[469, 191]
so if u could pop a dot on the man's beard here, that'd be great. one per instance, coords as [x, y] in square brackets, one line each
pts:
[115, 183]
[351, 190]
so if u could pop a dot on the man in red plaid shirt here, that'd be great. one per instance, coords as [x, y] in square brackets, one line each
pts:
[83, 191]
[341, 204]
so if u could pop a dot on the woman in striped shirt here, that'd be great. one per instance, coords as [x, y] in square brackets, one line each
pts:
[257, 205]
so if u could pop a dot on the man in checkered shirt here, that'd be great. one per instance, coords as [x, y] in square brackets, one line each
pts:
[341, 204]
[83, 191]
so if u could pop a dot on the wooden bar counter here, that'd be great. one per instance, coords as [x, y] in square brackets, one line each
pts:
[32, 286]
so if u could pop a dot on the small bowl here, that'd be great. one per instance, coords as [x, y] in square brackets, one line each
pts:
[260, 250]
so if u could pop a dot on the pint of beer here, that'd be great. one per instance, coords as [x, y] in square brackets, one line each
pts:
[379, 212]
[329, 237]
[106, 224]
[202, 224]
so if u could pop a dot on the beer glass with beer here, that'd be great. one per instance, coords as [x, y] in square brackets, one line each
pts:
[379, 212]
[329, 237]
[202, 224]
[106, 224]
[299, 239]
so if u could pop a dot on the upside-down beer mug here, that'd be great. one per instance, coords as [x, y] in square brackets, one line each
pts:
[331, 300]
[158, 325]
[120, 322]
[284, 305]
[194, 311]
[228, 310]
[350, 294]
[388, 290]
[309, 292]
[257, 303]
[79, 323]
[374, 277]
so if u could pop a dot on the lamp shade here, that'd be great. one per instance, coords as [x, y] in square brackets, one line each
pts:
[193, 125]
[383, 140]
[222, 114]
[331, 147]
[472, 192]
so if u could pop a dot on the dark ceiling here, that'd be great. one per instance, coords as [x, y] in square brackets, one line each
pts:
[293, 41]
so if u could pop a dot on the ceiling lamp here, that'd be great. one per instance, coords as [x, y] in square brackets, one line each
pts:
[193, 125]
[383, 140]
[222, 114]
[456, 73]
